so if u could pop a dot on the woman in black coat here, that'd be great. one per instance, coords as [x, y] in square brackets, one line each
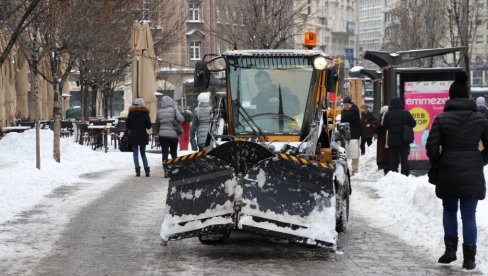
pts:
[137, 122]
[394, 120]
[381, 148]
[452, 147]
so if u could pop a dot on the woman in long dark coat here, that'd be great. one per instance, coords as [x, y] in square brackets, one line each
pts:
[395, 120]
[452, 147]
[381, 148]
[137, 122]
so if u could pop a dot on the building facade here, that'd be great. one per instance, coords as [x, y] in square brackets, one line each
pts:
[335, 22]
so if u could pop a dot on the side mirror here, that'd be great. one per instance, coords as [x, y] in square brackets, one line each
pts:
[201, 78]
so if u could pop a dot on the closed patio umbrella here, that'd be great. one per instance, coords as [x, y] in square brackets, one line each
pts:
[8, 84]
[21, 86]
[144, 66]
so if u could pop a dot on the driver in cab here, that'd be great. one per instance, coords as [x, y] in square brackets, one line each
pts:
[267, 100]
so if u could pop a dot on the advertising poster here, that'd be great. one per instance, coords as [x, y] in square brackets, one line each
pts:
[424, 100]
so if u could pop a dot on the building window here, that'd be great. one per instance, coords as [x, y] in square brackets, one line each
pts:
[194, 12]
[217, 14]
[195, 50]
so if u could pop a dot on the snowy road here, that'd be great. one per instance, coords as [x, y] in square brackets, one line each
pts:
[118, 234]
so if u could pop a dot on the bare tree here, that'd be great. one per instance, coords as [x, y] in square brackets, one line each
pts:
[464, 19]
[417, 24]
[16, 14]
[258, 24]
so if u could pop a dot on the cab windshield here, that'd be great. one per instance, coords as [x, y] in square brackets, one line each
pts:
[270, 95]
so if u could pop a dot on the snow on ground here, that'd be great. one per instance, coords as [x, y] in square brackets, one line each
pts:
[408, 208]
[402, 206]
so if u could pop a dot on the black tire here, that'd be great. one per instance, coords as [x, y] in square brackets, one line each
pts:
[342, 205]
[214, 238]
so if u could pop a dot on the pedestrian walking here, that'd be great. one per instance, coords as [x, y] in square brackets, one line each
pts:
[381, 146]
[168, 127]
[201, 120]
[396, 122]
[350, 114]
[452, 148]
[481, 103]
[367, 128]
[137, 123]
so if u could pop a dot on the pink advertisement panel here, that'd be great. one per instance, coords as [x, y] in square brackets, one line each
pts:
[424, 100]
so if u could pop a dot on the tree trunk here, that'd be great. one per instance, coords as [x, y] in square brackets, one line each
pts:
[57, 123]
[94, 93]
[464, 36]
[37, 111]
[56, 109]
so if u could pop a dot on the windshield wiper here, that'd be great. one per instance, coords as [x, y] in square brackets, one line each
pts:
[245, 116]
[280, 110]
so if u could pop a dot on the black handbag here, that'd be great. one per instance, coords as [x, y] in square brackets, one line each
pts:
[124, 145]
[408, 136]
[433, 174]
[177, 126]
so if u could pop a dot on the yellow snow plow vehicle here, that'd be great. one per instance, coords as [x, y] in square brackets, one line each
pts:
[269, 166]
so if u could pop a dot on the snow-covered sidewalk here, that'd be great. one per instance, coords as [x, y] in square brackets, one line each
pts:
[402, 206]
[408, 208]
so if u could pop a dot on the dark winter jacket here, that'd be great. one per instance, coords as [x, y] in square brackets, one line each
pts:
[201, 122]
[352, 117]
[367, 120]
[452, 145]
[166, 119]
[381, 150]
[483, 109]
[136, 124]
[394, 120]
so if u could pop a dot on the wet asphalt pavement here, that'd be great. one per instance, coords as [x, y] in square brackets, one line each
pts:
[118, 234]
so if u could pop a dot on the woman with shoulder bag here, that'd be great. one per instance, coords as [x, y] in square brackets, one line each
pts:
[137, 122]
[168, 127]
[452, 147]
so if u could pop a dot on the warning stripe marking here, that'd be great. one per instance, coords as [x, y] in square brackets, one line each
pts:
[184, 157]
[303, 161]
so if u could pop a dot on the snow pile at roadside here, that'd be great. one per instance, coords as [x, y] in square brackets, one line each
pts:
[408, 208]
[22, 186]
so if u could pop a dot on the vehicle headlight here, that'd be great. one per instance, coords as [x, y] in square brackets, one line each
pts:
[320, 63]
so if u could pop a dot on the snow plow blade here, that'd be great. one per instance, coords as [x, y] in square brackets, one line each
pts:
[199, 199]
[291, 198]
[243, 186]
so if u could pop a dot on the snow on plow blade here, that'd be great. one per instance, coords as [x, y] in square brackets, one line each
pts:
[200, 196]
[243, 186]
[290, 198]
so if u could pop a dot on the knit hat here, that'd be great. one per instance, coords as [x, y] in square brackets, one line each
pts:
[480, 101]
[459, 88]
[204, 97]
[347, 100]
[139, 101]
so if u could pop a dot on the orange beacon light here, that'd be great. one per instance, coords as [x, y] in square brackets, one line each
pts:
[310, 39]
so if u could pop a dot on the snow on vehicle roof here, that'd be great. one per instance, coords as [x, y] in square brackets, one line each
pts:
[281, 52]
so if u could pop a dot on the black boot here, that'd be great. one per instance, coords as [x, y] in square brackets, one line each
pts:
[138, 171]
[451, 248]
[469, 252]
[147, 170]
